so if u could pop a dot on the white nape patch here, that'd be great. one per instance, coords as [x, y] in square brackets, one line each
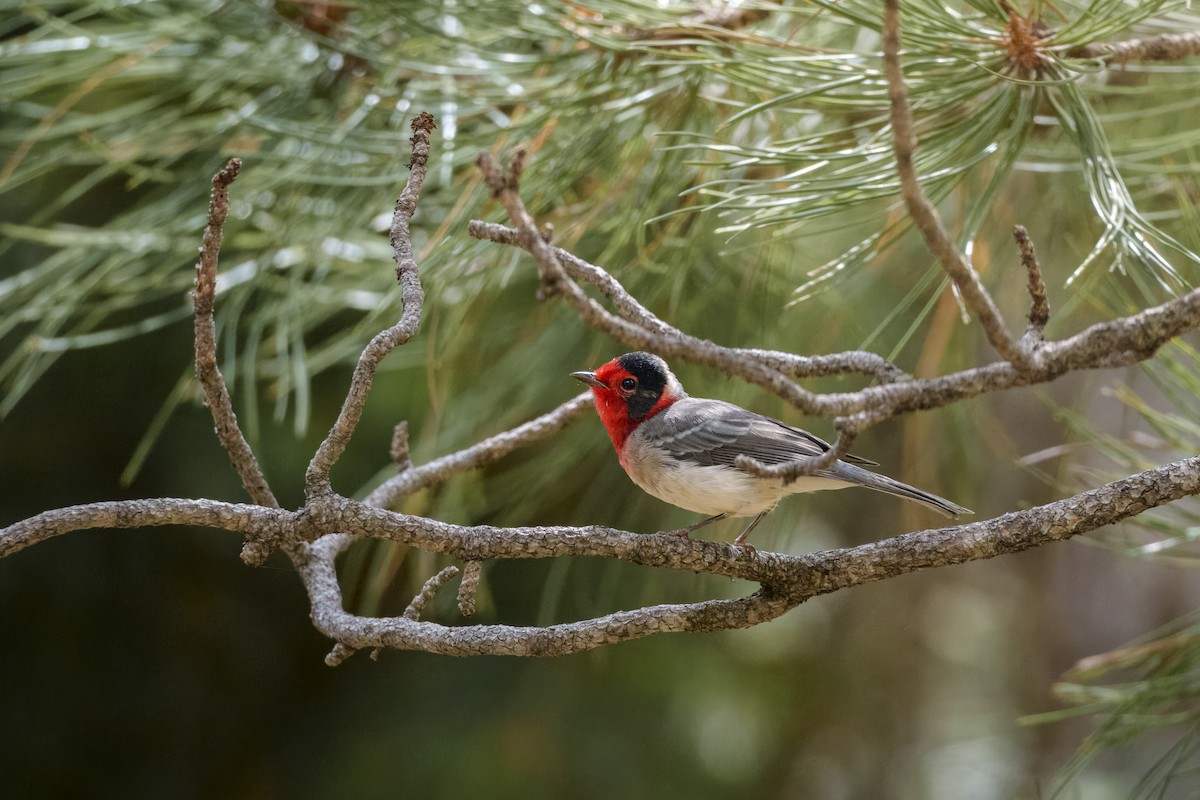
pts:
[674, 387]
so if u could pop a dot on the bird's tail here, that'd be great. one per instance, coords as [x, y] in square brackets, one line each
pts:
[882, 483]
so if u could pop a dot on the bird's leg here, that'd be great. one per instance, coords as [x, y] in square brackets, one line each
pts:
[682, 533]
[740, 541]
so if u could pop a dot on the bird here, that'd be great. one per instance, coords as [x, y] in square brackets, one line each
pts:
[684, 450]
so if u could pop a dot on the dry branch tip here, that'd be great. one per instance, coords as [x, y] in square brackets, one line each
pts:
[1039, 310]
[399, 448]
[338, 654]
[423, 126]
[518, 160]
[255, 553]
[431, 587]
[212, 382]
[468, 586]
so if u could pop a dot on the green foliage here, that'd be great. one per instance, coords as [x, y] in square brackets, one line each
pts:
[1152, 685]
[114, 110]
[1168, 410]
[822, 149]
[1149, 686]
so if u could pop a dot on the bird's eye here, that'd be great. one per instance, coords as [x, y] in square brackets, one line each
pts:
[629, 384]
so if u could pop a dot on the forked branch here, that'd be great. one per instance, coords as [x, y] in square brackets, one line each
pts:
[785, 580]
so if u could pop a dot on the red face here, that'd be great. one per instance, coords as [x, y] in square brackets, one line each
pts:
[613, 402]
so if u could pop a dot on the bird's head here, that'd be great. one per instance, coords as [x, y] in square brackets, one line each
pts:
[629, 390]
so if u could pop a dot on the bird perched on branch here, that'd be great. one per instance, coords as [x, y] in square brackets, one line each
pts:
[684, 450]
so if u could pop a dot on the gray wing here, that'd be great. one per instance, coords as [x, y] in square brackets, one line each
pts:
[712, 432]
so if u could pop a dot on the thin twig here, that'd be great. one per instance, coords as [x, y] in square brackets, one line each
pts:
[484, 452]
[338, 654]
[216, 393]
[504, 184]
[316, 479]
[811, 465]
[1039, 310]
[924, 215]
[556, 281]
[399, 448]
[1106, 345]
[627, 306]
[431, 587]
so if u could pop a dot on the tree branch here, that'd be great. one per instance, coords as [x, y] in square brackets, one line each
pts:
[1039, 311]
[431, 587]
[790, 364]
[216, 394]
[268, 524]
[666, 343]
[789, 471]
[468, 586]
[399, 448]
[786, 580]
[1116, 343]
[414, 479]
[924, 215]
[316, 479]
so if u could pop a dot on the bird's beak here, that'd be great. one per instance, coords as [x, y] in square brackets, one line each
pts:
[590, 379]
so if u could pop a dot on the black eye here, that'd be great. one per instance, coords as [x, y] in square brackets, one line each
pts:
[629, 384]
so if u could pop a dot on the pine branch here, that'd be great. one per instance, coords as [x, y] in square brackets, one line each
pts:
[629, 309]
[316, 480]
[414, 479]
[924, 215]
[1116, 343]
[306, 535]
[786, 580]
[216, 393]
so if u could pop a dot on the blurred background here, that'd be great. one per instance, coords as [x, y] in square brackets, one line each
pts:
[734, 171]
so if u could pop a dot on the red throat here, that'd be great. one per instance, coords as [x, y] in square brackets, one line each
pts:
[613, 406]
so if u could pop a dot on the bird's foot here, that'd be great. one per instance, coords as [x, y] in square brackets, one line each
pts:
[682, 533]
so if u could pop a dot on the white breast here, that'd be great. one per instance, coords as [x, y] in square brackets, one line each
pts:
[710, 490]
